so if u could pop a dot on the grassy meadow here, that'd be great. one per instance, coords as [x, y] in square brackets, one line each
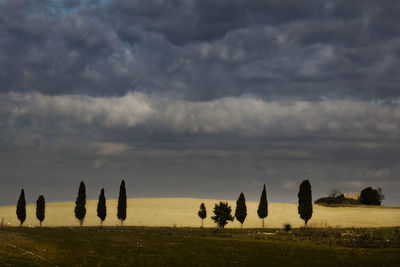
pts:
[169, 246]
[182, 212]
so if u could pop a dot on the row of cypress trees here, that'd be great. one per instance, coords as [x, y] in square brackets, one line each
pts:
[222, 211]
[80, 206]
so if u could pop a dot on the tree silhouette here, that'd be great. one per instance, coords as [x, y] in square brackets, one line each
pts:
[80, 203]
[305, 201]
[122, 203]
[222, 213]
[101, 207]
[262, 210]
[241, 210]
[40, 209]
[202, 213]
[371, 196]
[21, 207]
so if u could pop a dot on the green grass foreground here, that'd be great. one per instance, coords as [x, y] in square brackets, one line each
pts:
[137, 246]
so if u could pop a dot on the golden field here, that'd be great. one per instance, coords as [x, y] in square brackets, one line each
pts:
[182, 212]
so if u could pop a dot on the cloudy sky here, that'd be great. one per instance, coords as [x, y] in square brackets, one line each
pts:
[194, 98]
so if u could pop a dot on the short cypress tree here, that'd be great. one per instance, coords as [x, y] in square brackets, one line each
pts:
[262, 210]
[40, 209]
[305, 201]
[80, 203]
[101, 207]
[21, 207]
[202, 213]
[222, 213]
[122, 203]
[241, 209]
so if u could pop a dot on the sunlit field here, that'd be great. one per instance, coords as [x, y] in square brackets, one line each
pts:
[182, 212]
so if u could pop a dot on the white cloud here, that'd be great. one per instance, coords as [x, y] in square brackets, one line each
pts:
[234, 115]
[289, 185]
[107, 148]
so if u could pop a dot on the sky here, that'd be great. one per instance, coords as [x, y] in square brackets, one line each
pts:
[194, 98]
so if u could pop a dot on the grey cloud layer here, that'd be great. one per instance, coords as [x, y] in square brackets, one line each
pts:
[239, 116]
[192, 96]
[202, 50]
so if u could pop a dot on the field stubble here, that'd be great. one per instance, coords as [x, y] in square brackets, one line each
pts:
[182, 212]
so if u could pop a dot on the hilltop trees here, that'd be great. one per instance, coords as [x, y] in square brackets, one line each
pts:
[40, 209]
[222, 213]
[80, 203]
[371, 196]
[101, 207]
[241, 210]
[122, 203]
[202, 213]
[21, 208]
[305, 201]
[262, 210]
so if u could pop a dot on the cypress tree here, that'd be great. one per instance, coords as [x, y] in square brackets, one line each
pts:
[21, 207]
[80, 203]
[241, 210]
[305, 201]
[202, 213]
[101, 207]
[222, 213]
[40, 209]
[262, 210]
[122, 203]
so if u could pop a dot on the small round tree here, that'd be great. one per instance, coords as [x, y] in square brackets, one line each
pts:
[21, 208]
[122, 203]
[80, 203]
[262, 210]
[371, 196]
[222, 213]
[101, 207]
[40, 209]
[241, 209]
[202, 213]
[305, 208]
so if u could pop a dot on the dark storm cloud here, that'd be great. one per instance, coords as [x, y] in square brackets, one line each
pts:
[202, 50]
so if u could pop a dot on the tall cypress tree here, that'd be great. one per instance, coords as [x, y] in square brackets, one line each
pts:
[40, 209]
[305, 201]
[241, 209]
[21, 207]
[202, 213]
[122, 203]
[262, 210]
[80, 203]
[101, 207]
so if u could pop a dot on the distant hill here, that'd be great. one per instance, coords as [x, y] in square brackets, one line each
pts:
[182, 212]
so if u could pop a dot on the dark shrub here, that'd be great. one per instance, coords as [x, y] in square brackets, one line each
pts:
[287, 227]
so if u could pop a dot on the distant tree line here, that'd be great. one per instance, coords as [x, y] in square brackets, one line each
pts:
[368, 196]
